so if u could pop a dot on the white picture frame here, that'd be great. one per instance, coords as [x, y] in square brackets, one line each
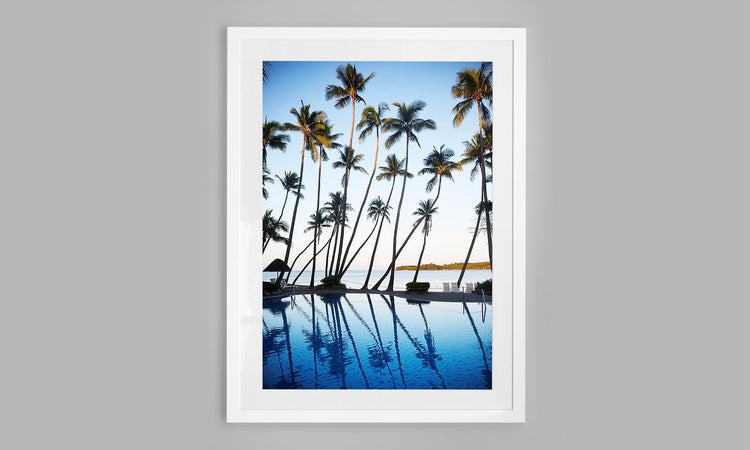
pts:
[247, 48]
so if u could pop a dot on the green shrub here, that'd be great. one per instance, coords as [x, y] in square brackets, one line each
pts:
[485, 286]
[331, 282]
[416, 286]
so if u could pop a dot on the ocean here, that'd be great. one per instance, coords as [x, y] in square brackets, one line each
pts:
[355, 278]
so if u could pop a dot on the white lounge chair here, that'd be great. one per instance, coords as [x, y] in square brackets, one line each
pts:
[454, 287]
[469, 288]
[446, 287]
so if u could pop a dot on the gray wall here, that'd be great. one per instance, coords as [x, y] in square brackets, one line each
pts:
[113, 224]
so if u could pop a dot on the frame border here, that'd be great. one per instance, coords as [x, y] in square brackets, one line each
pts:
[517, 414]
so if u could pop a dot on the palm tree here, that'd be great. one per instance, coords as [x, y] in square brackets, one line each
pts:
[272, 227]
[392, 266]
[478, 210]
[372, 119]
[474, 86]
[327, 142]
[348, 161]
[333, 209]
[273, 137]
[390, 171]
[266, 179]
[318, 221]
[351, 84]
[439, 164]
[310, 124]
[266, 71]
[425, 211]
[406, 124]
[378, 210]
[289, 183]
[476, 155]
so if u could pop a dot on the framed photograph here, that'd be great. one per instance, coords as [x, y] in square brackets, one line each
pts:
[376, 225]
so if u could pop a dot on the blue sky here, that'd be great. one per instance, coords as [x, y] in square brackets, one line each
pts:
[431, 82]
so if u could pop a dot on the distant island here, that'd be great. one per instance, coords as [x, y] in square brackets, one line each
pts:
[451, 266]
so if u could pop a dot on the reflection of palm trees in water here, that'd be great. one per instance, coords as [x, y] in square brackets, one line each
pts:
[272, 346]
[354, 345]
[428, 355]
[392, 307]
[313, 338]
[431, 356]
[270, 339]
[487, 371]
[336, 347]
[379, 356]
[331, 341]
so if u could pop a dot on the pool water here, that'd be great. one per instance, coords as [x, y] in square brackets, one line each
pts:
[364, 341]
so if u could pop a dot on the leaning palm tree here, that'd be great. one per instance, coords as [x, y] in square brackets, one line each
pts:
[289, 183]
[310, 125]
[272, 228]
[425, 211]
[316, 223]
[390, 171]
[266, 179]
[273, 137]
[439, 164]
[348, 161]
[392, 266]
[377, 211]
[478, 210]
[474, 86]
[406, 124]
[372, 120]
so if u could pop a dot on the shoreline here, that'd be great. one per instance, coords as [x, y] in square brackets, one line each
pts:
[438, 296]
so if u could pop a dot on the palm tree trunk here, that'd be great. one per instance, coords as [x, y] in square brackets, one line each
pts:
[471, 246]
[440, 185]
[311, 259]
[296, 202]
[484, 185]
[392, 268]
[377, 238]
[335, 244]
[398, 216]
[343, 220]
[317, 208]
[360, 248]
[291, 266]
[364, 201]
[346, 188]
[424, 243]
[278, 221]
[419, 263]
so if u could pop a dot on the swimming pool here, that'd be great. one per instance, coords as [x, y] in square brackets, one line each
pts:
[366, 341]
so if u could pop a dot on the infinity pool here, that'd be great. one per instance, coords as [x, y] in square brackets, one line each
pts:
[364, 341]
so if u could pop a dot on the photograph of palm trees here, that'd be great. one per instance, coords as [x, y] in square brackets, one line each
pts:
[377, 224]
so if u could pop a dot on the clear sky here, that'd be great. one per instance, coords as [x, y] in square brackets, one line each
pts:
[431, 82]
